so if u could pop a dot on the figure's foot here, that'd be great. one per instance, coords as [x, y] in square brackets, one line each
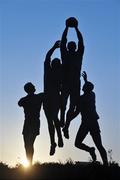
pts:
[62, 123]
[65, 132]
[52, 149]
[29, 161]
[60, 142]
[92, 153]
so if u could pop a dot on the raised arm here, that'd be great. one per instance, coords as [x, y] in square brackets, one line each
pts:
[79, 35]
[64, 35]
[50, 52]
[84, 75]
[64, 40]
[80, 40]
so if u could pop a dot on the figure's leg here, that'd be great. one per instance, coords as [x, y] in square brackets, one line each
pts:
[64, 98]
[26, 145]
[29, 146]
[67, 124]
[74, 96]
[98, 142]
[32, 140]
[51, 129]
[68, 115]
[59, 134]
[82, 132]
[55, 111]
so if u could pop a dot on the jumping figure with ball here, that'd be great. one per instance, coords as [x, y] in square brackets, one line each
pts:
[71, 56]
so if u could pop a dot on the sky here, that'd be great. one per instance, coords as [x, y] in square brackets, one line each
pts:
[28, 29]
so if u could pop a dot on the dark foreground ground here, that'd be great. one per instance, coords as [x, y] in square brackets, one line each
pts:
[55, 171]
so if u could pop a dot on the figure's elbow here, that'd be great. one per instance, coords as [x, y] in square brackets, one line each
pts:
[19, 103]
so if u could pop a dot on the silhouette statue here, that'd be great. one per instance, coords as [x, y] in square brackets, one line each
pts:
[86, 106]
[31, 105]
[71, 62]
[52, 88]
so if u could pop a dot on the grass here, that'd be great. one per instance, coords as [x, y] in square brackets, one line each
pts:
[56, 171]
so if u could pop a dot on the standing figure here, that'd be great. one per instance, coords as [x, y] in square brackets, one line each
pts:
[32, 106]
[52, 88]
[86, 106]
[71, 62]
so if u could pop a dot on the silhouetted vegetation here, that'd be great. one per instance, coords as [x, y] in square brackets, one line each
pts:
[69, 170]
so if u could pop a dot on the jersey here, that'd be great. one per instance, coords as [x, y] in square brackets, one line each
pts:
[87, 107]
[52, 79]
[71, 63]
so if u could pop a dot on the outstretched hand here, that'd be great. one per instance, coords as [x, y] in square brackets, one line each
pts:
[57, 44]
[84, 75]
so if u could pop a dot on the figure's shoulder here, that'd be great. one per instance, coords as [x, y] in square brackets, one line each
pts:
[23, 98]
[40, 95]
[93, 94]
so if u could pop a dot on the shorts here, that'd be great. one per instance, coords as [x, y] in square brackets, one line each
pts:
[51, 106]
[31, 127]
[90, 126]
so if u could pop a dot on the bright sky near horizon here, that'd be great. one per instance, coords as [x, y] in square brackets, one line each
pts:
[28, 29]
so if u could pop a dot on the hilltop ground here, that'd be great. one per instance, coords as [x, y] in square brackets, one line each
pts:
[55, 171]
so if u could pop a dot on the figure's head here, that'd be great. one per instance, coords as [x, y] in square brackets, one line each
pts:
[88, 86]
[71, 46]
[55, 64]
[29, 88]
